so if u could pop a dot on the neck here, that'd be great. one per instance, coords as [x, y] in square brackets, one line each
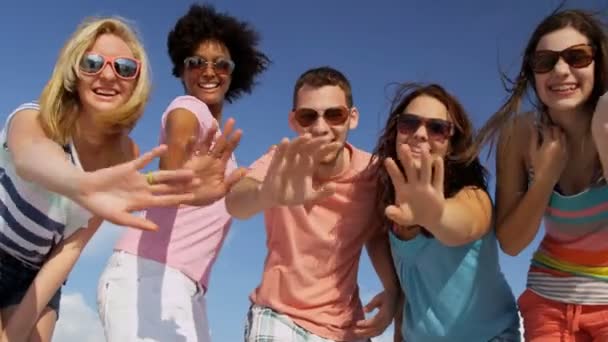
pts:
[90, 136]
[575, 125]
[336, 167]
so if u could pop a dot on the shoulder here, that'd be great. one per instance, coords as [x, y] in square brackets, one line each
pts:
[192, 105]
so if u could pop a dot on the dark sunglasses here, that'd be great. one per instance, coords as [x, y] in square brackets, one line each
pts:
[437, 129]
[221, 65]
[124, 67]
[334, 116]
[577, 56]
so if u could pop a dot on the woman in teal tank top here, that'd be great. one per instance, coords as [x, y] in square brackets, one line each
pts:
[432, 192]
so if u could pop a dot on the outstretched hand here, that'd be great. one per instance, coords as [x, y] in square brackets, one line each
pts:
[289, 179]
[209, 161]
[419, 197]
[113, 193]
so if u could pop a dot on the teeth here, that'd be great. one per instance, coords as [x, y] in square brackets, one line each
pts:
[208, 85]
[563, 87]
[106, 92]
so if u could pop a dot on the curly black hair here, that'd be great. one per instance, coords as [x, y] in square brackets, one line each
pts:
[203, 23]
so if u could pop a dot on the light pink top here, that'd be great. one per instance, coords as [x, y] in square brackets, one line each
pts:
[189, 238]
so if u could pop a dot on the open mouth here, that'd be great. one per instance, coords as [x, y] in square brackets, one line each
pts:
[105, 92]
[564, 88]
[208, 85]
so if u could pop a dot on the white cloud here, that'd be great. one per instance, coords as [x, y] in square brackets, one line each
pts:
[77, 321]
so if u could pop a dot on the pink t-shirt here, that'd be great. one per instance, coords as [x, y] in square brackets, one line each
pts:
[310, 273]
[189, 238]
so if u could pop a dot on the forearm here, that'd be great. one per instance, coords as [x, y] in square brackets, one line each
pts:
[245, 200]
[398, 323]
[48, 280]
[379, 251]
[519, 227]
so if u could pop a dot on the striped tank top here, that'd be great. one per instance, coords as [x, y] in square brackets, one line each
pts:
[571, 263]
[32, 219]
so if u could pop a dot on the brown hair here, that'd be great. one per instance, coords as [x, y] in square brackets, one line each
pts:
[323, 76]
[584, 22]
[461, 168]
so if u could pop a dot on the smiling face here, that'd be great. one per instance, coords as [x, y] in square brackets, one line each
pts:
[105, 91]
[202, 79]
[565, 88]
[328, 103]
[423, 137]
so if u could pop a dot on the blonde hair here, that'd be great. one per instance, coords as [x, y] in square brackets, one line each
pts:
[59, 101]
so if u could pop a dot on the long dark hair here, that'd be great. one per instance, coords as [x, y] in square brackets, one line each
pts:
[582, 21]
[462, 168]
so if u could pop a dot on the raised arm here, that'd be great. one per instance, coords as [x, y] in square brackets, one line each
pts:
[519, 206]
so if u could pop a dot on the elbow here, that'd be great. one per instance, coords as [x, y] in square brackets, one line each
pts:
[508, 246]
[233, 209]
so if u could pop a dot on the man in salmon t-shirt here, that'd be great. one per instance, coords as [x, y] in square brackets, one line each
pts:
[318, 202]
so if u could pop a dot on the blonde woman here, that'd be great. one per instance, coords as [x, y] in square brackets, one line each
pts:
[71, 154]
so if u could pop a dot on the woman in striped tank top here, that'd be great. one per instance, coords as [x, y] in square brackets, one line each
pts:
[548, 168]
[69, 158]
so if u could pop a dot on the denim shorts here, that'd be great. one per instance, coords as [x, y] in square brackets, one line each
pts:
[15, 279]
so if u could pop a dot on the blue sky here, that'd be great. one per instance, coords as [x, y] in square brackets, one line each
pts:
[459, 44]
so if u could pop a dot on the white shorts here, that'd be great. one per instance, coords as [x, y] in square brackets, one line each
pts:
[142, 300]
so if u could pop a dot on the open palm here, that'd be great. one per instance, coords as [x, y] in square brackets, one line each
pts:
[209, 165]
[419, 197]
[114, 193]
[289, 180]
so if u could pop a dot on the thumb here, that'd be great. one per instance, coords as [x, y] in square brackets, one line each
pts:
[376, 302]
[395, 214]
[234, 177]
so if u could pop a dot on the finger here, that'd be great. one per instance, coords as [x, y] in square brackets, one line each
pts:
[376, 302]
[169, 176]
[168, 200]
[134, 221]
[294, 148]
[396, 175]
[219, 145]
[398, 216]
[426, 167]
[234, 177]
[408, 164]
[278, 160]
[204, 145]
[231, 145]
[149, 156]
[438, 174]
[164, 189]
[326, 150]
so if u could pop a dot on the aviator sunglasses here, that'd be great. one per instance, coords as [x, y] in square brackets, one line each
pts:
[334, 116]
[437, 129]
[221, 65]
[577, 56]
[124, 67]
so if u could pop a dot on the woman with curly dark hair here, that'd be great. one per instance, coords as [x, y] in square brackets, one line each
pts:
[154, 285]
[433, 195]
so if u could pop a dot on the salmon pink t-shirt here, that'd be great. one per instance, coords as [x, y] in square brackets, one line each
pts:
[189, 238]
[310, 273]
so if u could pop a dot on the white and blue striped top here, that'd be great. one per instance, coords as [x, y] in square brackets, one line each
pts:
[32, 219]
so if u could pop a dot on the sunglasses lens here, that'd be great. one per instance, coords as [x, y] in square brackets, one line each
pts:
[224, 66]
[578, 57]
[194, 62]
[336, 116]
[91, 63]
[439, 128]
[126, 67]
[544, 61]
[408, 124]
[306, 117]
